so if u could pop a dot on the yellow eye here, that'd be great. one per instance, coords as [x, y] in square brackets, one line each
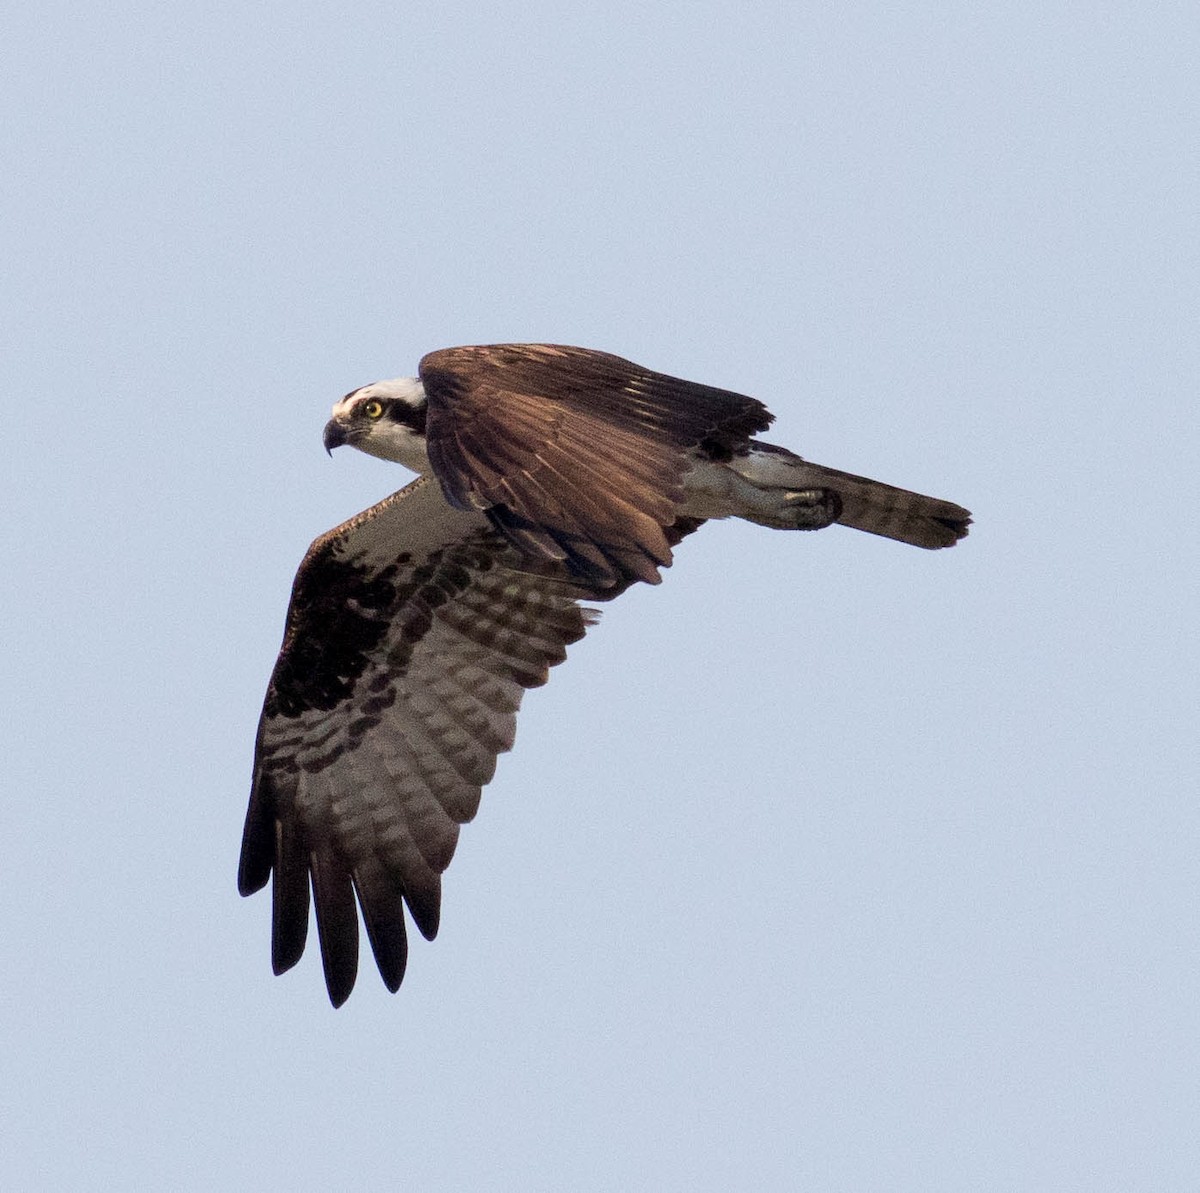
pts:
[373, 408]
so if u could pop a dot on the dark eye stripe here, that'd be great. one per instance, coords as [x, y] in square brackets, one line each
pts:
[412, 417]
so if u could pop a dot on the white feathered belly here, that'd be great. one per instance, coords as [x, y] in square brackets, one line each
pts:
[759, 486]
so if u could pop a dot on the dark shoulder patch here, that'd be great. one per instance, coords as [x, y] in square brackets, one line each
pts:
[352, 606]
[342, 611]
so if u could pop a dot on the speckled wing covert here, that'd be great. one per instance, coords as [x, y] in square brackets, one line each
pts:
[413, 631]
[576, 456]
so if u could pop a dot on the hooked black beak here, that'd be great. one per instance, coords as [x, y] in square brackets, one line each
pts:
[335, 435]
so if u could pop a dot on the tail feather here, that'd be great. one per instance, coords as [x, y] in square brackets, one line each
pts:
[855, 501]
[894, 513]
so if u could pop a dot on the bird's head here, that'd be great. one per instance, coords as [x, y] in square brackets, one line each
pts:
[384, 419]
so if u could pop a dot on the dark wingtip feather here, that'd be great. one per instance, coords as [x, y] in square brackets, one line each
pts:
[383, 913]
[425, 907]
[595, 564]
[289, 900]
[254, 869]
[337, 926]
[258, 840]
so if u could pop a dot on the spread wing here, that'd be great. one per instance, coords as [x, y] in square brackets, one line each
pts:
[576, 456]
[412, 633]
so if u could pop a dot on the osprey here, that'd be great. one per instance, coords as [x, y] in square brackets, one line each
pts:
[550, 476]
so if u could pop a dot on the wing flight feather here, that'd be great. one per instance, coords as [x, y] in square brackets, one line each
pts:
[575, 455]
[413, 631]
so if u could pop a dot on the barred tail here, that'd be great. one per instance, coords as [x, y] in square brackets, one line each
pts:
[781, 489]
[894, 513]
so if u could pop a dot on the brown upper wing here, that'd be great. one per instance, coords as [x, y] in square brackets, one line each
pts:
[576, 456]
[412, 633]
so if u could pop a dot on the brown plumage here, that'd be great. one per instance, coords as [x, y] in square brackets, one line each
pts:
[560, 476]
[573, 450]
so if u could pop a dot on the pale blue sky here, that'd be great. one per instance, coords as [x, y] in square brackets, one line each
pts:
[829, 864]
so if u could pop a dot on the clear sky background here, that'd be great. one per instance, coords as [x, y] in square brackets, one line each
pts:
[829, 864]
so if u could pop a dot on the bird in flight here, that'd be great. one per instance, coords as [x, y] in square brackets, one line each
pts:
[549, 476]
